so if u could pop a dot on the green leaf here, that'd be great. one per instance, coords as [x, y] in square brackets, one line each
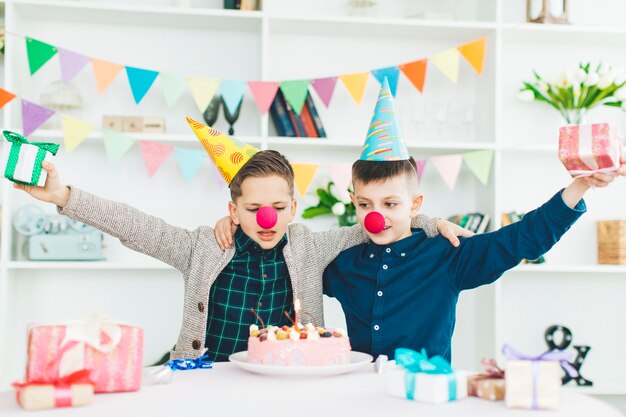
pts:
[614, 104]
[325, 198]
[311, 212]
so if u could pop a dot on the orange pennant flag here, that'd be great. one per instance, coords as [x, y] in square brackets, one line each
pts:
[355, 84]
[104, 72]
[474, 53]
[415, 72]
[5, 97]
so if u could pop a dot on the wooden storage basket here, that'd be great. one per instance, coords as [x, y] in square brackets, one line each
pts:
[611, 242]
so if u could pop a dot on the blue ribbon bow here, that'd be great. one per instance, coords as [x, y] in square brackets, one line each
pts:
[202, 362]
[417, 362]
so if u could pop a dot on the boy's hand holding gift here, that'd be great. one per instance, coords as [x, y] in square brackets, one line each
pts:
[52, 192]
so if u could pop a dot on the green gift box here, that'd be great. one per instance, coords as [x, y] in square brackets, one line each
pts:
[22, 162]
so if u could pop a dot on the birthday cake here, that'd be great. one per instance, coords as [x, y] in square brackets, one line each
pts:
[298, 346]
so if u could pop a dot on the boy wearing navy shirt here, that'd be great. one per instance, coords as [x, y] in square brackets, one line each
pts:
[400, 289]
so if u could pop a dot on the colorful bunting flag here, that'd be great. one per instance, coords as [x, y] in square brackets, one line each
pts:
[75, 131]
[232, 93]
[116, 144]
[71, 64]
[33, 116]
[140, 81]
[355, 84]
[341, 174]
[391, 73]
[38, 54]
[474, 53]
[416, 73]
[479, 162]
[295, 92]
[449, 167]
[5, 97]
[104, 72]
[325, 87]
[303, 176]
[448, 63]
[263, 93]
[173, 86]
[189, 161]
[154, 154]
[203, 89]
[420, 164]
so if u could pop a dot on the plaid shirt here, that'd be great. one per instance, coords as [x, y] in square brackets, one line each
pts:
[254, 278]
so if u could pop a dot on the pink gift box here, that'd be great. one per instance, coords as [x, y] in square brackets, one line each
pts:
[586, 149]
[111, 352]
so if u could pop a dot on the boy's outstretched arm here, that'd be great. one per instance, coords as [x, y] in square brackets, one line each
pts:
[135, 229]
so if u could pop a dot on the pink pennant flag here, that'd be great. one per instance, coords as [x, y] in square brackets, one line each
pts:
[449, 167]
[71, 64]
[341, 174]
[263, 93]
[219, 180]
[33, 116]
[154, 154]
[420, 165]
[325, 87]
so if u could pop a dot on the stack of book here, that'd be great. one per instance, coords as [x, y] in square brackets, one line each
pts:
[475, 222]
[288, 123]
[512, 217]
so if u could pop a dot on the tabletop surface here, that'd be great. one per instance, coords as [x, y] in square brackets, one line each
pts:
[228, 390]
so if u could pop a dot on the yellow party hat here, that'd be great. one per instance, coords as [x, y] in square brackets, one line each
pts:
[228, 154]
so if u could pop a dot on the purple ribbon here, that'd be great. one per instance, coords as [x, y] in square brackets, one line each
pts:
[564, 358]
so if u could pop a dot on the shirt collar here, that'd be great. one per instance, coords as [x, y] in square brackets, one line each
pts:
[401, 247]
[244, 243]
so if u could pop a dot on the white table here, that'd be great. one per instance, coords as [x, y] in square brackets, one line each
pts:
[227, 390]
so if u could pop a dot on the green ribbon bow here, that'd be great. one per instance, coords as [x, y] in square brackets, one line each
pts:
[417, 362]
[17, 141]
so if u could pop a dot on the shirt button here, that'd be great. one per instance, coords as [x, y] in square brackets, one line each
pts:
[371, 255]
[385, 267]
[388, 250]
[201, 307]
[380, 293]
[402, 254]
[264, 275]
[195, 344]
[376, 327]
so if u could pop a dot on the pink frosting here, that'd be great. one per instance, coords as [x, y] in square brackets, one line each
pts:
[323, 351]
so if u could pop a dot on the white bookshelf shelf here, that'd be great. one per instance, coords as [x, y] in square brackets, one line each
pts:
[325, 142]
[580, 34]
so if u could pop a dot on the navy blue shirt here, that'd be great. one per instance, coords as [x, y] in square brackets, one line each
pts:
[405, 294]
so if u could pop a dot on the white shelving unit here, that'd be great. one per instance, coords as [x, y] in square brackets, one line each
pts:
[296, 39]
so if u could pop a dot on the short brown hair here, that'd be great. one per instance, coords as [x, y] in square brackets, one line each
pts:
[263, 164]
[379, 171]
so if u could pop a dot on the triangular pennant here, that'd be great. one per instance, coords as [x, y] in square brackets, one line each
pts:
[75, 131]
[71, 64]
[391, 73]
[140, 81]
[303, 176]
[154, 154]
[173, 86]
[116, 144]
[104, 72]
[203, 89]
[448, 63]
[33, 116]
[295, 92]
[474, 53]
[449, 167]
[38, 53]
[420, 164]
[232, 93]
[5, 97]
[263, 93]
[189, 161]
[325, 87]
[341, 174]
[479, 162]
[416, 73]
[219, 179]
[355, 84]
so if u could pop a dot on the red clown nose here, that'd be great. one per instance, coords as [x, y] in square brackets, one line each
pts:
[266, 217]
[374, 222]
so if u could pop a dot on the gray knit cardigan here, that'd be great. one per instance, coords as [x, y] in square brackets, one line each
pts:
[198, 256]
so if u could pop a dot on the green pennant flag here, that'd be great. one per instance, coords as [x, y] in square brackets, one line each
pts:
[38, 54]
[295, 92]
[116, 144]
[479, 162]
